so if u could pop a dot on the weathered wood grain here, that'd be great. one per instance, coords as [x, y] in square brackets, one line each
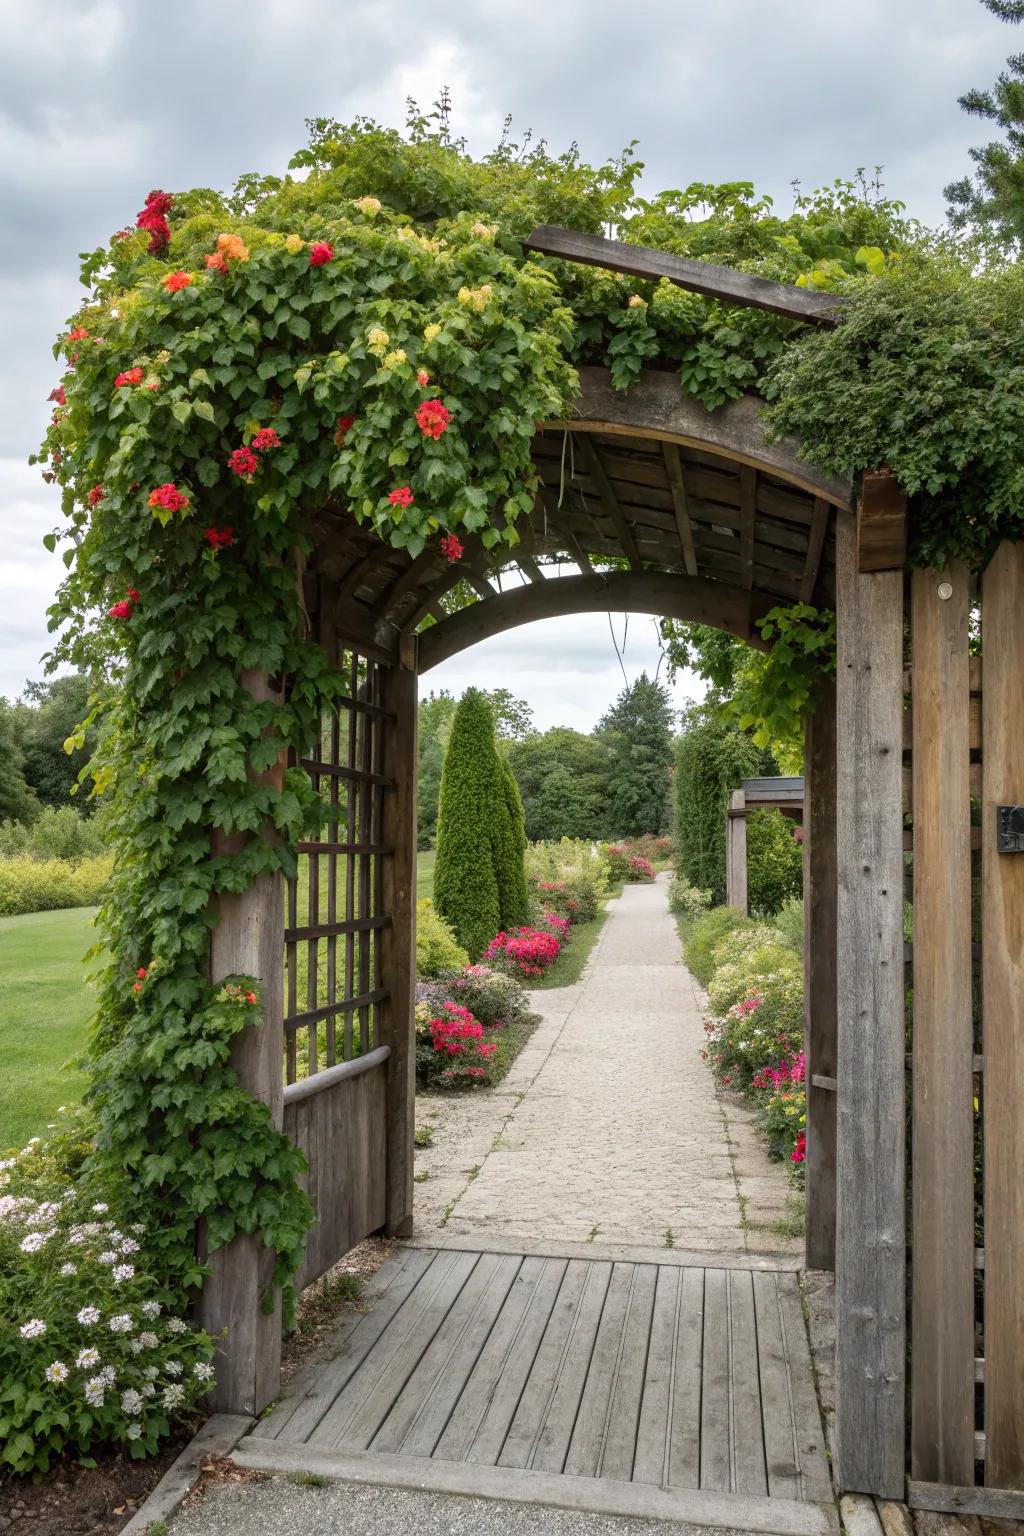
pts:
[871, 1237]
[1002, 980]
[736, 852]
[881, 523]
[942, 1184]
[820, 959]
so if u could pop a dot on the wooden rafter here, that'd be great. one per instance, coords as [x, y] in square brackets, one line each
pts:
[748, 515]
[697, 276]
[676, 484]
[561, 530]
[595, 469]
[815, 545]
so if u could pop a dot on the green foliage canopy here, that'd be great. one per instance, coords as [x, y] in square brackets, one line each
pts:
[712, 756]
[638, 733]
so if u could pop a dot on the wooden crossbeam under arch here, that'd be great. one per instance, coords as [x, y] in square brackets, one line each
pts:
[661, 593]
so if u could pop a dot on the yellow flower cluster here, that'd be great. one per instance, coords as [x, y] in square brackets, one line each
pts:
[377, 340]
[484, 231]
[636, 302]
[431, 333]
[294, 244]
[368, 205]
[476, 298]
[393, 359]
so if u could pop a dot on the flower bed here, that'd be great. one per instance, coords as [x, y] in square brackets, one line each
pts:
[452, 1047]
[526, 951]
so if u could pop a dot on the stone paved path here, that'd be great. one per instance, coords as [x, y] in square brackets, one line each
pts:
[609, 1127]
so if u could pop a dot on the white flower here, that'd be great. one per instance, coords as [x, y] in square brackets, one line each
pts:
[57, 1371]
[106, 1258]
[129, 1245]
[134, 1430]
[48, 1211]
[131, 1401]
[173, 1396]
[150, 1309]
[76, 1236]
[69, 1269]
[33, 1328]
[88, 1315]
[148, 1340]
[203, 1372]
[115, 1235]
[7, 1162]
[136, 1346]
[138, 1228]
[149, 1390]
[62, 1109]
[173, 1367]
[123, 1272]
[33, 1141]
[175, 1325]
[151, 1373]
[108, 1376]
[94, 1391]
[100, 1208]
[34, 1241]
[121, 1323]
[87, 1358]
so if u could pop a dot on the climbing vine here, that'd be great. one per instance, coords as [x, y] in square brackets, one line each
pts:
[369, 336]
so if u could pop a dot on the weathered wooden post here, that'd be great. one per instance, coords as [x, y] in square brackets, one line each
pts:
[248, 940]
[398, 940]
[820, 1026]
[736, 851]
[870, 1206]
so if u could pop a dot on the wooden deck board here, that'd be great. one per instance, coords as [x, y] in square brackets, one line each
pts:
[612, 1374]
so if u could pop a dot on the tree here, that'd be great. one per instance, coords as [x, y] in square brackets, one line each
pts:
[512, 723]
[478, 879]
[513, 898]
[638, 731]
[994, 199]
[17, 802]
[712, 756]
[47, 715]
[775, 862]
[563, 779]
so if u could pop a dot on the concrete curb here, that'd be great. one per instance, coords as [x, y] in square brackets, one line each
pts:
[218, 1437]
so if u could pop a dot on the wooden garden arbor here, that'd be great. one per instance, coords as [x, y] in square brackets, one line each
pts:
[706, 521]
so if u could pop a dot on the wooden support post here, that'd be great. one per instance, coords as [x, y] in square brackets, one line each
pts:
[248, 940]
[1002, 985]
[942, 1341]
[398, 941]
[820, 891]
[870, 1195]
[736, 851]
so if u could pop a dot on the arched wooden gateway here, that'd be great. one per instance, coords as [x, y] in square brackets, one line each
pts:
[707, 521]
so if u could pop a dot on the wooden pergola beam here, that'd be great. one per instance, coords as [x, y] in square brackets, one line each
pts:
[664, 594]
[677, 485]
[713, 282]
[748, 514]
[596, 470]
[815, 545]
[881, 523]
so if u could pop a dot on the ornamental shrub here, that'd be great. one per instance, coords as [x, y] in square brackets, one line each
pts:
[437, 948]
[513, 898]
[702, 935]
[42, 885]
[638, 868]
[494, 997]
[527, 951]
[54, 834]
[788, 922]
[712, 757]
[452, 1050]
[755, 1032]
[739, 979]
[775, 866]
[686, 901]
[93, 1351]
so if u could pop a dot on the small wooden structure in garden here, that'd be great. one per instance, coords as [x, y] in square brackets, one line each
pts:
[712, 523]
[785, 794]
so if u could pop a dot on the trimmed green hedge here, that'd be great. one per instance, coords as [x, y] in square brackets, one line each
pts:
[41, 885]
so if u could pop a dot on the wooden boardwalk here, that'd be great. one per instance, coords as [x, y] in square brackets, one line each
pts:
[628, 1387]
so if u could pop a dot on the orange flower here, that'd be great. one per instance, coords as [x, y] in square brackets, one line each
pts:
[216, 262]
[176, 280]
[233, 247]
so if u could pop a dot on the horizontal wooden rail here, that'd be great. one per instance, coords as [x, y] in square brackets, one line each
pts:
[309, 1087]
[329, 930]
[340, 771]
[819, 1080]
[346, 848]
[331, 1010]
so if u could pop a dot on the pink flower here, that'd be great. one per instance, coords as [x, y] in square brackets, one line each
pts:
[433, 418]
[243, 462]
[167, 498]
[402, 497]
[423, 378]
[265, 439]
[320, 253]
[451, 548]
[799, 1152]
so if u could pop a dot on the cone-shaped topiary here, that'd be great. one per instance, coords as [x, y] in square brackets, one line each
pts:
[513, 901]
[471, 814]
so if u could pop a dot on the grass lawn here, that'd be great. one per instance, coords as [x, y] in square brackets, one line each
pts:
[425, 872]
[45, 1003]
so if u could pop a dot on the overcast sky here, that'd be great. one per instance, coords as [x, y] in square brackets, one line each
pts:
[101, 100]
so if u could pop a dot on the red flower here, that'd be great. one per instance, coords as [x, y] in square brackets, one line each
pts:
[243, 462]
[423, 378]
[153, 218]
[122, 610]
[58, 395]
[78, 334]
[216, 262]
[402, 497]
[433, 418]
[120, 234]
[799, 1152]
[320, 253]
[219, 538]
[130, 376]
[168, 498]
[137, 987]
[250, 997]
[174, 281]
[341, 429]
[451, 548]
[133, 594]
[95, 496]
[265, 438]
[141, 973]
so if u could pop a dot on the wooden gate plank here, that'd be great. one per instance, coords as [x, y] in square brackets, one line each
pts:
[434, 1385]
[477, 1428]
[1003, 1022]
[539, 1436]
[942, 1186]
[870, 1235]
[820, 1033]
[363, 1403]
[782, 1462]
[748, 1458]
[715, 1429]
